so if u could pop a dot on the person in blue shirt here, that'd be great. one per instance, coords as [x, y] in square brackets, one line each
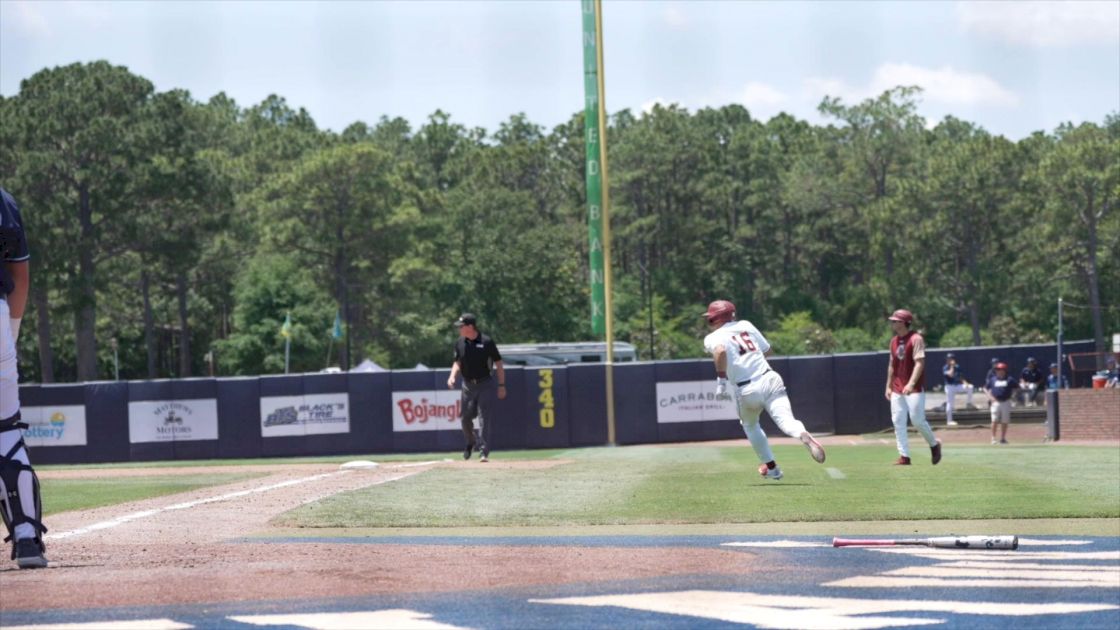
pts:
[1000, 389]
[955, 383]
[1031, 382]
[1052, 379]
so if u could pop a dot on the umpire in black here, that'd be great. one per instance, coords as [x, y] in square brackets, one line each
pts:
[475, 353]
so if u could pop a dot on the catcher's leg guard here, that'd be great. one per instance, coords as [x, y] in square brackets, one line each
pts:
[21, 505]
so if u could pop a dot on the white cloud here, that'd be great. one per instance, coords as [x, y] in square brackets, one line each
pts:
[1043, 23]
[762, 96]
[945, 85]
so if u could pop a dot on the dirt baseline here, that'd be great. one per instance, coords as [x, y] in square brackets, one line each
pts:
[178, 549]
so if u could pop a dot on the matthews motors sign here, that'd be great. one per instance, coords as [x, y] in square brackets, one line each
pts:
[172, 420]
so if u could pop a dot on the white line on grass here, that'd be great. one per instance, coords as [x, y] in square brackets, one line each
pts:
[120, 520]
[835, 473]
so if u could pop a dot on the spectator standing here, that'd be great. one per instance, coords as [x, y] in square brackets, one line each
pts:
[1000, 389]
[1052, 380]
[1031, 382]
[955, 383]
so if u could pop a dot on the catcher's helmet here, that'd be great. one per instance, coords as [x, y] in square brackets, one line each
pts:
[902, 315]
[720, 310]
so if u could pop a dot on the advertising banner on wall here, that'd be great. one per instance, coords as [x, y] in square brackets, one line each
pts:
[312, 414]
[427, 410]
[693, 401]
[60, 425]
[172, 420]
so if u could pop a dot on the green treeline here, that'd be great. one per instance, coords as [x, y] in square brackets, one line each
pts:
[177, 232]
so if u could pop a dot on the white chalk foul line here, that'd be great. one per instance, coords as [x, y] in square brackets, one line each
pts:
[835, 473]
[120, 520]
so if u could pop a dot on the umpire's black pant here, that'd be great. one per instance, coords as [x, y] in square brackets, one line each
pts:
[478, 401]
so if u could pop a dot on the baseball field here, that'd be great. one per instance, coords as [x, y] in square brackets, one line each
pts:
[683, 535]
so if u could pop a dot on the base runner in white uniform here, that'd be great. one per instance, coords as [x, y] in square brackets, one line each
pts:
[739, 351]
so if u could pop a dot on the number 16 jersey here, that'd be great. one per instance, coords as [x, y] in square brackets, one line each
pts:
[745, 347]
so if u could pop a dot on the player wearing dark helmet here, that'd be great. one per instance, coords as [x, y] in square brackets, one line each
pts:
[739, 351]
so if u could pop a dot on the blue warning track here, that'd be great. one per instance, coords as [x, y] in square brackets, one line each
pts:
[797, 582]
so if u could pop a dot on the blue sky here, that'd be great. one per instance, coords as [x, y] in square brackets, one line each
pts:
[1012, 67]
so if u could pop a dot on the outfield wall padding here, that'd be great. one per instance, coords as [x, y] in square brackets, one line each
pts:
[831, 394]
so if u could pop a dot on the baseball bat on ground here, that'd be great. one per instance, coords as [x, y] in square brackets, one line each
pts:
[941, 542]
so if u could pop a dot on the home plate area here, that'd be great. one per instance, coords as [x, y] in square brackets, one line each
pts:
[801, 582]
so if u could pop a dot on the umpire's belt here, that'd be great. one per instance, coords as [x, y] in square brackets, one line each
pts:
[749, 380]
[476, 381]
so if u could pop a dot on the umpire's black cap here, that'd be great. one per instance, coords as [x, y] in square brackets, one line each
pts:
[466, 319]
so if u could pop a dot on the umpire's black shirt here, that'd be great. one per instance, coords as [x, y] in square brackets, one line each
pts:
[474, 356]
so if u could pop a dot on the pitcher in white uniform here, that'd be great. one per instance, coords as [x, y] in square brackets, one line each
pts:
[739, 351]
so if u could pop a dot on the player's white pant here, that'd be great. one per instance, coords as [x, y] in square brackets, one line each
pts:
[912, 407]
[950, 393]
[766, 392]
[9, 405]
[9, 378]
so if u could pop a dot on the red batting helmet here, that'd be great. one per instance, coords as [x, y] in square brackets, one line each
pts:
[902, 315]
[720, 310]
[1001, 366]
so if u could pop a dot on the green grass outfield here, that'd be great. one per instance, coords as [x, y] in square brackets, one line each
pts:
[706, 484]
[65, 495]
[662, 488]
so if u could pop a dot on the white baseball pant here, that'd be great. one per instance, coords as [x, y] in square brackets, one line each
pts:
[9, 405]
[766, 392]
[912, 406]
[950, 393]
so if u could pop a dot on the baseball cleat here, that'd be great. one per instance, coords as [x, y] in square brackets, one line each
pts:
[902, 461]
[935, 450]
[467, 451]
[815, 448]
[485, 458]
[29, 555]
[774, 473]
